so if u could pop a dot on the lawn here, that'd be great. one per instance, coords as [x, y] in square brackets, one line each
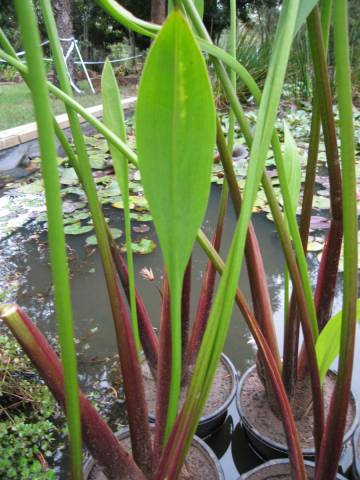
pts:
[16, 105]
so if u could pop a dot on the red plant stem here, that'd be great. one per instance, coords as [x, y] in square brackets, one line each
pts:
[163, 373]
[327, 275]
[148, 337]
[132, 378]
[318, 407]
[185, 314]
[330, 261]
[170, 465]
[335, 426]
[100, 440]
[291, 335]
[254, 262]
[207, 287]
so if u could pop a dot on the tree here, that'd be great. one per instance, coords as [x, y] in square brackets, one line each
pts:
[63, 19]
[158, 11]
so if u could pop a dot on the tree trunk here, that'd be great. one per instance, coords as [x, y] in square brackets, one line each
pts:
[63, 19]
[158, 11]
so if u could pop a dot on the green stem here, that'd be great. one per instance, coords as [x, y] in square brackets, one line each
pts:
[176, 369]
[36, 76]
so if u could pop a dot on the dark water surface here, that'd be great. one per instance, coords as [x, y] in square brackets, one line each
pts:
[24, 262]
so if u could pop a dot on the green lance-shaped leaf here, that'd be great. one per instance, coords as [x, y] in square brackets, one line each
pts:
[328, 342]
[292, 167]
[305, 8]
[114, 119]
[175, 130]
[293, 178]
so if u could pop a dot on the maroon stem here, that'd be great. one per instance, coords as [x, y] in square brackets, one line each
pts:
[329, 265]
[133, 381]
[254, 262]
[149, 340]
[330, 261]
[163, 373]
[291, 336]
[100, 440]
[207, 286]
[204, 305]
[185, 313]
[175, 450]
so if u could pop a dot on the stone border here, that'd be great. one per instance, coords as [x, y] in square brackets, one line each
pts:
[25, 133]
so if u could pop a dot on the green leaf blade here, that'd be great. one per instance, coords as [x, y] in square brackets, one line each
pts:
[175, 119]
[328, 342]
[175, 132]
[292, 167]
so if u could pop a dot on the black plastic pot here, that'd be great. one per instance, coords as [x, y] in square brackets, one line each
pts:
[275, 468]
[268, 448]
[200, 444]
[210, 423]
[356, 461]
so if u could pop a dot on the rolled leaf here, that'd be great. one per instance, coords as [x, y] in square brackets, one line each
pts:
[328, 343]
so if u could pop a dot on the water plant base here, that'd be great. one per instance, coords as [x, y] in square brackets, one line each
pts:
[221, 395]
[278, 470]
[265, 430]
[200, 463]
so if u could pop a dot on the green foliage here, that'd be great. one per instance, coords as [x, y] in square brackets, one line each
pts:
[175, 136]
[328, 342]
[27, 430]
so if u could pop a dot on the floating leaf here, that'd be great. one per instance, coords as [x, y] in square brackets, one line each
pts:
[92, 240]
[315, 247]
[76, 217]
[35, 187]
[97, 161]
[141, 217]
[77, 229]
[68, 177]
[143, 247]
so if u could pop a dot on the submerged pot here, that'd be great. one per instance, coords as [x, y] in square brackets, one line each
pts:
[356, 453]
[266, 440]
[200, 463]
[280, 468]
[212, 420]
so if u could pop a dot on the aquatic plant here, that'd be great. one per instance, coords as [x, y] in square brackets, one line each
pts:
[175, 158]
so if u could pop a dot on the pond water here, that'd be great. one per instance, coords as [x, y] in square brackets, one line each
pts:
[25, 265]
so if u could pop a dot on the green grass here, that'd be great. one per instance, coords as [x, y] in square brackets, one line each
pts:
[16, 104]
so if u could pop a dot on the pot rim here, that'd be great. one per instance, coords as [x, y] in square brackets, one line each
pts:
[125, 432]
[279, 461]
[221, 410]
[282, 448]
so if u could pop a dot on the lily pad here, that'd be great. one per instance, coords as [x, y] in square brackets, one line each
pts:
[68, 177]
[77, 229]
[97, 161]
[141, 217]
[92, 240]
[143, 247]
